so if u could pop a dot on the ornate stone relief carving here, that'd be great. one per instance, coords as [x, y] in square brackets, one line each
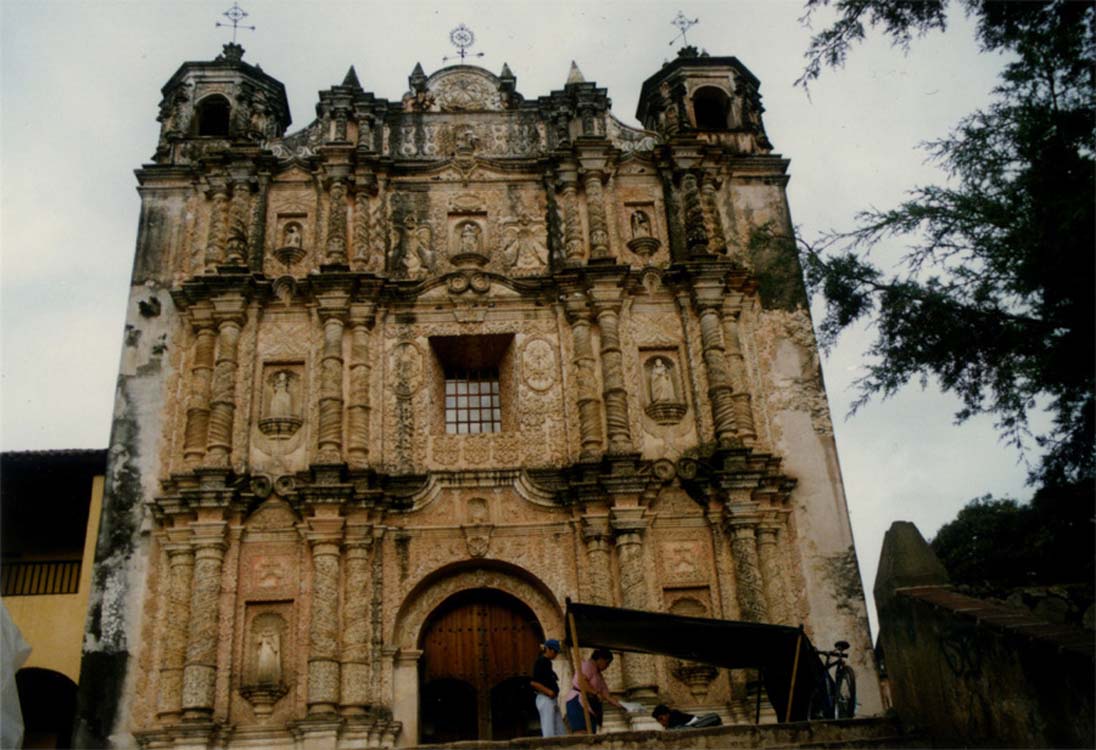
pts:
[524, 243]
[413, 244]
[630, 140]
[538, 364]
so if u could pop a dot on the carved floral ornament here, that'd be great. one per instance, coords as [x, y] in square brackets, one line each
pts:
[464, 90]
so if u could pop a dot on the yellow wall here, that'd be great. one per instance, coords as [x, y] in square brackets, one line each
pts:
[53, 625]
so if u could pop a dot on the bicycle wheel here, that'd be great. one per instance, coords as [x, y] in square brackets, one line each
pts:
[845, 693]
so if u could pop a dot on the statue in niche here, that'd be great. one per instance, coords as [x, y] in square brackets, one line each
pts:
[524, 250]
[268, 659]
[662, 384]
[281, 403]
[469, 238]
[641, 224]
[291, 235]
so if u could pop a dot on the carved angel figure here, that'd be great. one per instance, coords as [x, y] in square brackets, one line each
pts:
[662, 384]
[524, 250]
[415, 242]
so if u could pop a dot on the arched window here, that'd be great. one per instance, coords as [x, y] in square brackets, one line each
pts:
[213, 113]
[710, 108]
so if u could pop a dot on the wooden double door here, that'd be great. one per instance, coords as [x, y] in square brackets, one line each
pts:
[478, 652]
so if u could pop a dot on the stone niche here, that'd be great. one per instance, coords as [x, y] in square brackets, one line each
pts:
[282, 400]
[663, 388]
[267, 656]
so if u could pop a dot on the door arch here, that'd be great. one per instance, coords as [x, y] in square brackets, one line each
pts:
[477, 648]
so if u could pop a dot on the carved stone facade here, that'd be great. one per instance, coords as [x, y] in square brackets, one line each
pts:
[462, 342]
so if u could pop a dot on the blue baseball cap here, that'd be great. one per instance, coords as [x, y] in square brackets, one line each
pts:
[553, 644]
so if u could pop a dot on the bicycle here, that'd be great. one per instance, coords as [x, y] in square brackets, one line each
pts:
[835, 698]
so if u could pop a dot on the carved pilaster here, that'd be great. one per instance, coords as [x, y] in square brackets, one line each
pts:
[256, 245]
[357, 413]
[769, 559]
[612, 374]
[724, 570]
[324, 536]
[707, 296]
[712, 220]
[201, 384]
[743, 409]
[629, 526]
[356, 631]
[595, 211]
[218, 227]
[589, 409]
[362, 228]
[229, 317]
[696, 236]
[173, 638]
[332, 312]
[376, 621]
[574, 250]
[751, 593]
[238, 221]
[599, 541]
[335, 249]
[200, 672]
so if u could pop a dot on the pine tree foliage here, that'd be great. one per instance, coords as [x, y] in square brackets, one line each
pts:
[994, 297]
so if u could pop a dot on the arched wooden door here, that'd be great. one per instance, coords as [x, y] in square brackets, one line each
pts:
[474, 646]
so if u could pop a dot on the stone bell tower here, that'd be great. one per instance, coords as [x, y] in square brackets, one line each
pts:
[397, 384]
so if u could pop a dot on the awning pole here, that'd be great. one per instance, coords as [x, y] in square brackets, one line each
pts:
[579, 677]
[760, 682]
[795, 672]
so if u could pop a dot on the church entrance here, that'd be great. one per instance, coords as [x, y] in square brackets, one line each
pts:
[478, 651]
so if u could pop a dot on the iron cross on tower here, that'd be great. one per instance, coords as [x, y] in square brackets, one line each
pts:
[462, 38]
[235, 14]
[683, 23]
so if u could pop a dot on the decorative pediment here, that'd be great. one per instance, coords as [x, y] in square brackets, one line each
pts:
[462, 88]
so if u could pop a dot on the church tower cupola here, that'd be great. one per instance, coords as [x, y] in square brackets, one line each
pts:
[220, 102]
[712, 98]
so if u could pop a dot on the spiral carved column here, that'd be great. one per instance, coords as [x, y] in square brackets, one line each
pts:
[713, 221]
[637, 669]
[201, 384]
[357, 413]
[589, 409]
[574, 250]
[218, 228]
[223, 402]
[612, 374]
[772, 574]
[176, 622]
[239, 216]
[335, 250]
[696, 236]
[707, 298]
[331, 389]
[751, 592]
[200, 672]
[323, 631]
[356, 629]
[595, 210]
[599, 553]
[740, 385]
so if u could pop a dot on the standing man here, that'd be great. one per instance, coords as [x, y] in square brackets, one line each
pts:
[546, 684]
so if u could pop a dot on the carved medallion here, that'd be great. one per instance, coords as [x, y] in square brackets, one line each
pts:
[538, 365]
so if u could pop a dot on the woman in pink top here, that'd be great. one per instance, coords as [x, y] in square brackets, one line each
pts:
[589, 687]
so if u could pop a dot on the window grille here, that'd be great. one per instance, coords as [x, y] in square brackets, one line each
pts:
[40, 577]
[472, 402]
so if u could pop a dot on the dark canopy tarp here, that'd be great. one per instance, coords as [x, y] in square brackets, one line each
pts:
[721, 643]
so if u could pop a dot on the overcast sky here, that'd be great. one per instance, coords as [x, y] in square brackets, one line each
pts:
[79, 88]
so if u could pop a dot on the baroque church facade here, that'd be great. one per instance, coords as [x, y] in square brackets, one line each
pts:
[398, 384]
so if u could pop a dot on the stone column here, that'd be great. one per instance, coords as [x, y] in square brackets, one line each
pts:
[637, 669]
[357, 413]
[612, 376]
[724, 570]
[324, 536]
[574, 247]
[229, 317]
[589, 410]
[405, 686]
[708, 298]
[257, 231]
[595, 212]
[238, 218]
[201, 383]
[696, 236]
[769, 559]
[751, 593]
[335, 248]
[717, 241]
[740, 382]
[332, 312]
[173, 638]
[218, 226]
[200, 672]
[598, 540]
[356, 631]
[362, 228]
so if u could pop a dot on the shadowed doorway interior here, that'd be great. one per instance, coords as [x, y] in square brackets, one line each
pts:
[478, 649]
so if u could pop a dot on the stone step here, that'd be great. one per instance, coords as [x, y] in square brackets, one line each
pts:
[847, 733]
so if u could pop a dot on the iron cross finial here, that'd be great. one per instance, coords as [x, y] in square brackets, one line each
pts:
[462, 38]
[683, 23]
[235, 14]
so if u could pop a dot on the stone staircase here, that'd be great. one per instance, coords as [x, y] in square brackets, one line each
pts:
[849, 733]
